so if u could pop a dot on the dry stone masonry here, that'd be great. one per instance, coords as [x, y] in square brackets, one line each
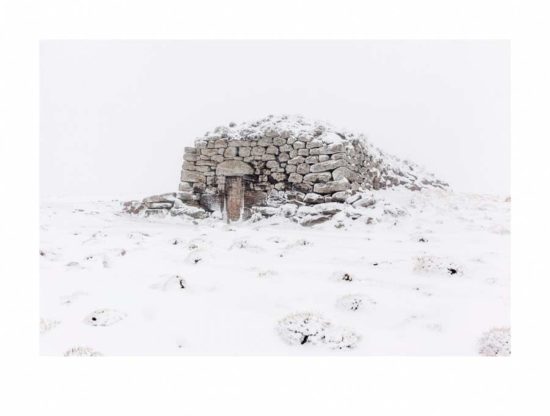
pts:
[280, 160]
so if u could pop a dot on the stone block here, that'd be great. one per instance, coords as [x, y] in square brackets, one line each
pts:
[332, 187]
[318, 177]
[244, 151]
[230, 152]
[265, 141]
[234, 168]
[333, 148]
[190, 157]
[258, 151]
[192, 176]
[209, 152]
[220, 143]
[344, 172]
[296, 160]
[314, 144]
[285, 148]
[295, 178]
[328, 165]
[312, 198]
[284, 157]
[278, 177]
[303, 168]
[189, 165]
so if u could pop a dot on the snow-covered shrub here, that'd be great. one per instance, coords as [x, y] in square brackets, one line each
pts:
[245, 244]
[104, 317]
[339, 338]
[353, 302]
[47, 325]
[264, 274]
[495, 342]
[170, 283]
[432, 264]
[302, 328]
[197, 257]
[82, 352]
[343, 276]
[197, 244]
[68, 299]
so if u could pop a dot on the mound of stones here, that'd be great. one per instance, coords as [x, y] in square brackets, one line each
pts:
[279, 161]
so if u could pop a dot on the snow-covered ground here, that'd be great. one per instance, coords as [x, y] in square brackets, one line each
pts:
[427, 275]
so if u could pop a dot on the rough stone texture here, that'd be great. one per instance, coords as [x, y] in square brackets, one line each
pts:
[287, 159]
[344, 173]
[312, 198]
[332, 187]
[318, 177]
[234, 168]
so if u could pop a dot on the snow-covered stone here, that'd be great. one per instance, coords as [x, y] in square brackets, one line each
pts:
[104, 317]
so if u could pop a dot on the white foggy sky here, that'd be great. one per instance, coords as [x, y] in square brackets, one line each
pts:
[116, 115]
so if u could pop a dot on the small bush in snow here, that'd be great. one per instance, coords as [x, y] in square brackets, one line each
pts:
[431, 264]
[350, 302]
[302, 328]
[197, 244]
[245, 244]
[339, 338]
[495, 342]
[264, 274]
[104, 317]
[171, 283]
[198, 256]
[82, 352]
[309, 328]
[343, 276]
[47, 325]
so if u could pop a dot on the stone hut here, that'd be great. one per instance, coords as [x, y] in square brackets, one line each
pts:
[277, 160]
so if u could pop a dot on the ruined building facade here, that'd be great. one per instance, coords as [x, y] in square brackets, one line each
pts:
[286, 159]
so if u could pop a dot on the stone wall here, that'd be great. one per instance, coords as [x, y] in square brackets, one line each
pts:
[289, 160]
[302, 168]
[285, 160]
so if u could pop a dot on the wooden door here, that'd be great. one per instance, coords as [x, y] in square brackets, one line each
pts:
[234, 197]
